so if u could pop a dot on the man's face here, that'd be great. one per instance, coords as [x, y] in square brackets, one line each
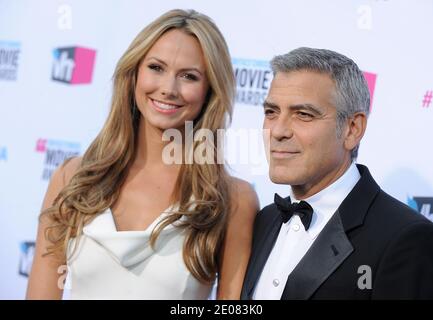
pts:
[304, 149]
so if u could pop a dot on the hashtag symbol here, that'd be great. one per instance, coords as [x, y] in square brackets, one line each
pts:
[427, 99]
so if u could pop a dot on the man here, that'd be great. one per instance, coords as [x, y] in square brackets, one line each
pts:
[342, 237]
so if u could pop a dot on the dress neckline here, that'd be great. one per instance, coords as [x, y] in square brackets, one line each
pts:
[155, 221]
[127, 247]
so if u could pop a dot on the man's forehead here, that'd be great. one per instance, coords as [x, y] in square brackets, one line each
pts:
[301, 85]
[303, 76]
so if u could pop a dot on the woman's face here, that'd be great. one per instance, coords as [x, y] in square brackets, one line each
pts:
[172, 83]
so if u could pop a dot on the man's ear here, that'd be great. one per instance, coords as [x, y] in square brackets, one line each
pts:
[355, 129]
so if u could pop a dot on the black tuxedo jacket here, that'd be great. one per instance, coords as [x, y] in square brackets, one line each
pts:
[370, 229]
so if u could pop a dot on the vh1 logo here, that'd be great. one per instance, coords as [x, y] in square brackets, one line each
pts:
[73, 65]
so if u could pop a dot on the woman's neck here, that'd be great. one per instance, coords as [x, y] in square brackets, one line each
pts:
[150, 147]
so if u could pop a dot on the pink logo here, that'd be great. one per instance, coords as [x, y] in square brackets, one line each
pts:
[371, 82]
[73, 65]
[428, 96]
[41, 145]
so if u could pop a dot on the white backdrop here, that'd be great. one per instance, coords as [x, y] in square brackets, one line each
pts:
[43, 120]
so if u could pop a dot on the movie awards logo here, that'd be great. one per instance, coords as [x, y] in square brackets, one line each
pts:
[3, 154]
[9, 55]
[56, 152]
[253, 78]
[423, 205]
[73, 65]
[27, 251]
[371, 82]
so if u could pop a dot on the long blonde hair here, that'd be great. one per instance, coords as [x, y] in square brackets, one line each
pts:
[201, 190]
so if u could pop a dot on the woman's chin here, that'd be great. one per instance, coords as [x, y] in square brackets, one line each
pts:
[165, 125]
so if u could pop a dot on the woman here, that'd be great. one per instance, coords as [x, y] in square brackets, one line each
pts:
[127, 224]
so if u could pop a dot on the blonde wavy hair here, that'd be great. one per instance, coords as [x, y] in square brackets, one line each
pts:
[201, 190]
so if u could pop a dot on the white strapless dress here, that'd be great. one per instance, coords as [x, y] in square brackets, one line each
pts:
[111, 264]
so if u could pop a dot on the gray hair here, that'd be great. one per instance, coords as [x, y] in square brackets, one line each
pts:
[351, 89]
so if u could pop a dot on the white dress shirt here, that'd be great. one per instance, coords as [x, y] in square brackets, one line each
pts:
[293, 241]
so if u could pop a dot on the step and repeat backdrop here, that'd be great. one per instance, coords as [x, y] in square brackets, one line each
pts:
[57, 59]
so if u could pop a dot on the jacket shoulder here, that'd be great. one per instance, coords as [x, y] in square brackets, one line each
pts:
[395, 210]
[266, 213]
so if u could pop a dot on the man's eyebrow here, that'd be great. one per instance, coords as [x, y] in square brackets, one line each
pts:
[307, 106]
[268, 104]
[303, 106]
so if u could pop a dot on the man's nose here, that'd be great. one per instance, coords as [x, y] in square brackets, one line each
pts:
[281, 129]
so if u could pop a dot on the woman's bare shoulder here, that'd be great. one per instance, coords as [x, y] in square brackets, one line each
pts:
[243, 195]
[69, 168]
[59, 179]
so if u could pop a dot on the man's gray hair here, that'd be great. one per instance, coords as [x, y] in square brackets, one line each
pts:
[351, 89]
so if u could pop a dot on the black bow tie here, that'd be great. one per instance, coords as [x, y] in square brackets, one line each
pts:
[288, 209]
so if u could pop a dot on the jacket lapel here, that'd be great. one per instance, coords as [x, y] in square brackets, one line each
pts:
[329, 250]
[262, 247]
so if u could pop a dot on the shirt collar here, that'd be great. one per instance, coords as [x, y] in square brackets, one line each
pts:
[327, 201]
